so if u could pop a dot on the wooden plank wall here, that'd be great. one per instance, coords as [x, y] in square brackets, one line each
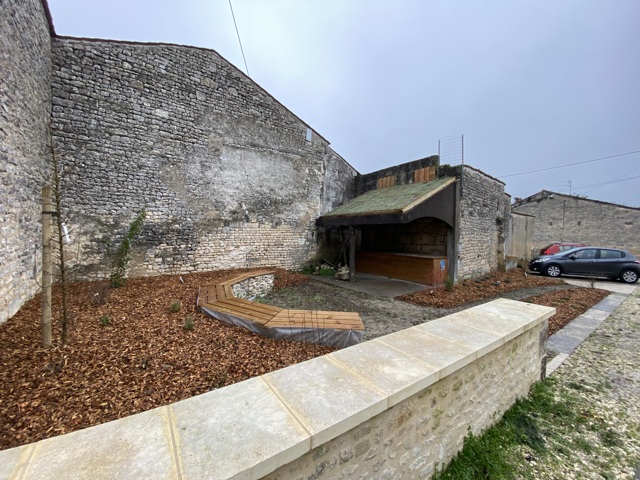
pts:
[413, 268]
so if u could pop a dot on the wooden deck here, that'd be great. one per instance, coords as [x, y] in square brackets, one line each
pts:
[218, 297]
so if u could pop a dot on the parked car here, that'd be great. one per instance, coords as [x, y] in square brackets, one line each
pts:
[589, 262]
[558, 247]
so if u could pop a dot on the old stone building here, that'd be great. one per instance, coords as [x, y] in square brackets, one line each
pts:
[228, 176]
[568, 218]
[421, 222]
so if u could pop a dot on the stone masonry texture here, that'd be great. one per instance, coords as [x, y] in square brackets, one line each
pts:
[25, 106]
[224, 171]
[566, 218]
[484, 223]
[421, 434]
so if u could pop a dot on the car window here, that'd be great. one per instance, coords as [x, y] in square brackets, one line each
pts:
[586, 254]
[611, 254]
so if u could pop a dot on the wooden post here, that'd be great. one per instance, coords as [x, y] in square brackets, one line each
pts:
[47, 234]
[352, 253]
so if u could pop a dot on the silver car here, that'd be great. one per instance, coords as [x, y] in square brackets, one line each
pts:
[589, 262]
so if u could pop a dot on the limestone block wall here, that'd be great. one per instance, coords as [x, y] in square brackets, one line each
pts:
[228, 176]
[522, 232]
[398, 406]
[484, 223]
[424, 236]
[25, 105]
[566, 218]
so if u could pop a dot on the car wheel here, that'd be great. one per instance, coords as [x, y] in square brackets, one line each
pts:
[629, 276]
[553, 271]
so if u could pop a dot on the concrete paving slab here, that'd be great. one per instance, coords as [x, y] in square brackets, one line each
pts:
[444, 354]
[398, 374]
[555, 362]
[374, 285]
[243, 429]
[500, 317]
[610, 303]
[481, 341]
[14, 460]
[138, 446]
[563, 343]
[577, 331]
[611, 285]
[588, 320]
[347, 399]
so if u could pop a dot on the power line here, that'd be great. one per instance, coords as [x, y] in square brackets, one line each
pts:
[611, 181]
[569, 164]
[238, 34]
[599, 184]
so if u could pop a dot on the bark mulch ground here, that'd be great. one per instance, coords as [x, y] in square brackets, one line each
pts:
[145, 345]
[569, 302]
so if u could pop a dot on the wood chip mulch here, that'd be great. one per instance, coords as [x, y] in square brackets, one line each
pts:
[130, 349]
[569, 304]
[472, 290]
[128, 352]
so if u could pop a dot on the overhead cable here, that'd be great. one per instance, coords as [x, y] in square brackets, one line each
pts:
[240, 42]
[570, 164]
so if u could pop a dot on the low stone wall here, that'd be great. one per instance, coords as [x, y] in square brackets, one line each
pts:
[397, 406]
[253, 287]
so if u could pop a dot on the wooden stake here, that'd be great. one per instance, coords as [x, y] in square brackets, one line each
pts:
[352, 253]
[47, 234]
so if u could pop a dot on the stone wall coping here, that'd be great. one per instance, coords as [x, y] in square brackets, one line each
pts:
[249, 429]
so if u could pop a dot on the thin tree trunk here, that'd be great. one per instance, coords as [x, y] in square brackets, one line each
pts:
[57, 196]
[47, 212]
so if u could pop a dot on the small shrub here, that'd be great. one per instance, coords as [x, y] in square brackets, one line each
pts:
[105, 321]
[121, 257]
[175, 307]
[449, 285]
[99, 293]
[327, 272]
[188, 323]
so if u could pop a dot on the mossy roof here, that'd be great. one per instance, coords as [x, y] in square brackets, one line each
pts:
[390, 200]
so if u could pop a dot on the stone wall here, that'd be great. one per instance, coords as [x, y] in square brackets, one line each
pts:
[522, 232]
[253, 287]
[424, 432]
[225, 172]
[424, 236]
[484, 223]
[565, 218]
[25, 106]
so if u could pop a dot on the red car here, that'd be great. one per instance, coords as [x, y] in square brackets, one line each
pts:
[560, 247]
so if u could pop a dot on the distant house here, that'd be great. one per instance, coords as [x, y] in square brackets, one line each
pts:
[568, 218]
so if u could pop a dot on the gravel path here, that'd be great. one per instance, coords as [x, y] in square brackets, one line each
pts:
[605, 371]
[381, 315]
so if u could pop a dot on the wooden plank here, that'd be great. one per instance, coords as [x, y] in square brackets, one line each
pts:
[414, 268]
[239, 277]
[258, 318]
[207, 294]
[252, 306]
[221, 292]
[313, 319]
[242, 310]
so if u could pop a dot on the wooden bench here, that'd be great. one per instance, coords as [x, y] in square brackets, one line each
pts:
[328, 328]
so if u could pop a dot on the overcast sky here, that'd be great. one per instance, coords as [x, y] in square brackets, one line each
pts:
[530, 85]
